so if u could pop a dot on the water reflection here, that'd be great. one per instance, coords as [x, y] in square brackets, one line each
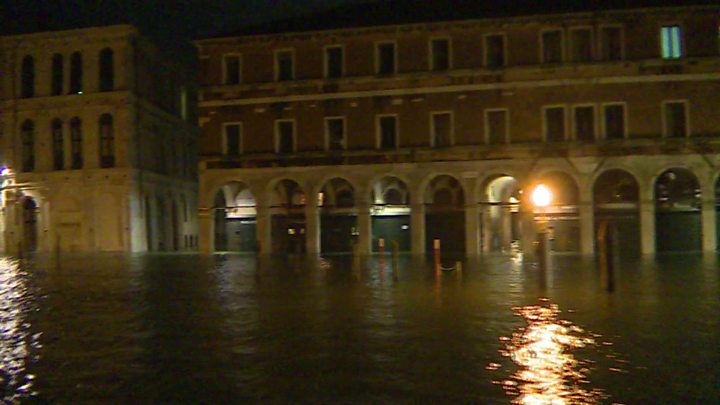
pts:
[17, 341]
[548, 371]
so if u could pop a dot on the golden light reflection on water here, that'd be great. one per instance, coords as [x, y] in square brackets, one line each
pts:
[542, 351]
[16, 340]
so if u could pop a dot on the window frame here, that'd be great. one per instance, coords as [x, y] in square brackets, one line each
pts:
[503, 35]
[688, 130]
[563, 56]
[486, 117]
[378, 131]
[603, 125]
[573, 121]
[451, 141]
[102, 139]
[326, 120]
[294, 135]
[326, 61]
[225, 75]
[225, 150]
[431, 53]
[571, 43]
[681, 40]
[600, 42]
[377, 57]
[276, 63]
[544, 121]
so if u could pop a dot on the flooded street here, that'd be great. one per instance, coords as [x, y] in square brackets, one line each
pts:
[224, 329]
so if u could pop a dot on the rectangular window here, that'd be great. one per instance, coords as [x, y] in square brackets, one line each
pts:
[584, 123]
[441, 129]
[231, 69]
[676, 119]
[554, 120]
[233, 140]
[496, 126]
[284, 69]
[335, 133]
[285, 136]
[611, 43]
[385, 58]
[552, 46]
[614, 121]
[581, 44]
[333, 62]
[671, 41]
[494, 51]
[439, 54]
[387, 132]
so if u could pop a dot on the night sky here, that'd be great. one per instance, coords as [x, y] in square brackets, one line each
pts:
[161, 19]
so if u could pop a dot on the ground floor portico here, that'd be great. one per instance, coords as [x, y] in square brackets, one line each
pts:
[658, 202]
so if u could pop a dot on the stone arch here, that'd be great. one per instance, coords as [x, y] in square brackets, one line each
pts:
[287, 200]
[678, 223]
[616, 203]
[561, 217]
[338, 219]
[444, 191]
[500, 198]
[444, 197]
[234, 216]
[337, 192]
[390, 199]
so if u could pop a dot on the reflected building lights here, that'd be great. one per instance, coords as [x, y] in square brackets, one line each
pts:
[547, 372]
[17, 341]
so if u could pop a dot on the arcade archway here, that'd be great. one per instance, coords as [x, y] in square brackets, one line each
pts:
[678, 223]
[445, 214]
[616, 201]
[287, 202]
[234, 216]
[391, 213]
[338, 220]
[500, 214]
[561, 216]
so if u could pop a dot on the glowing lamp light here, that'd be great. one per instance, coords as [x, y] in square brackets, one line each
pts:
[541, 196]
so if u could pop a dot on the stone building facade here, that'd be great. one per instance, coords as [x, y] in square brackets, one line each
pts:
[100, 143]
[315, 141]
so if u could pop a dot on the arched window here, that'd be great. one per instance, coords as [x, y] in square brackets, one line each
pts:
[27, 78]
[57, 145]
[107, 70]
[76, 143]
[107, 141]
[27, 132]
[57, 74]
[76, 73]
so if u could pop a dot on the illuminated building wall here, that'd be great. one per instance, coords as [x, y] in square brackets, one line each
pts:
[98, 131]
[615, 110]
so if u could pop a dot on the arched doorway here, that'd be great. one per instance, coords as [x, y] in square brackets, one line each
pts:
[445, 214]
[30, 229]
[678, 225]
[234, 217]
[616, 201]
[500, 216]
[287, 201]
[561, 216]
[338, 220]
[391, 213]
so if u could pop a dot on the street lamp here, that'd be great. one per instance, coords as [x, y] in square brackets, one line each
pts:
[541, 197]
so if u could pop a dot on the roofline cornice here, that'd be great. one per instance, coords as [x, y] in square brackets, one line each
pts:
[428, 26]
[103, 32]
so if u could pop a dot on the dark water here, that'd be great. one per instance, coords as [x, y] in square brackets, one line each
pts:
[229, 329]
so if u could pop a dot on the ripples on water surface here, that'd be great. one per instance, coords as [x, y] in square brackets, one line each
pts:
[229, 329]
